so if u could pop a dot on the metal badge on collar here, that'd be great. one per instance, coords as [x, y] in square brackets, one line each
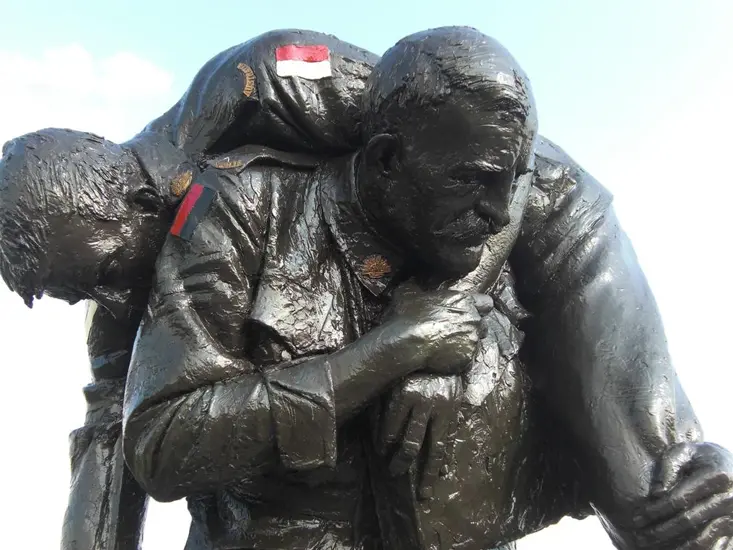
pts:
[375, 267]
[228, 164]
[181, 183]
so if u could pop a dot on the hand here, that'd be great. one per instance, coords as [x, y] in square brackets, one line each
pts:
[691, 504]
[421, 414]
[443, 326]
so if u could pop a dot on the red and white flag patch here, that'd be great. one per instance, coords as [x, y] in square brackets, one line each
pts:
[309, 62]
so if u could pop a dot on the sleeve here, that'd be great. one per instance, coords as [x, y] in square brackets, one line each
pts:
[596, 344]
[197, 413]
[106, 507]
[240, 97]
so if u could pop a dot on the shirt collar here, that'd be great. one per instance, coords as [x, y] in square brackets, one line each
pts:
[374, 262]
[166, 166]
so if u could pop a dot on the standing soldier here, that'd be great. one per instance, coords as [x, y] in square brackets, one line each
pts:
[569, 236]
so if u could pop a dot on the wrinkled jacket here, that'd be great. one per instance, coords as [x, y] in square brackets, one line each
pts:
[106, 505]
[215, 114]
[229, 399]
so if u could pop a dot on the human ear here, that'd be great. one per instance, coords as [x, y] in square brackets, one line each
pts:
[382, 153]
[147, 199]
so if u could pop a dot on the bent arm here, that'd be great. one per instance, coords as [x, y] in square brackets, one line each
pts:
[106, 506]
[246, 424]
[597, 344]
[198, 414]
[238, 98]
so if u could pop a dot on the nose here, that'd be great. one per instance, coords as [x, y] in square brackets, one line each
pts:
[497, 214]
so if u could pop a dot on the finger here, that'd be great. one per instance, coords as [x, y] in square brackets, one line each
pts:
[376, 414]
[691, 520]
[394, 421]
[485, 326]
[455, 419]
[409, 448]
[688, 492]
[440, 434]
[456, 301]
[672, 463]
[435, 458]
[716, 530]
[484, 303]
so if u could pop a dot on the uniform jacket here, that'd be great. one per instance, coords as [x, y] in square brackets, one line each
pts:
[268, 269]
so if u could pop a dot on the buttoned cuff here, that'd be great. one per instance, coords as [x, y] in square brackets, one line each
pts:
[304, 414]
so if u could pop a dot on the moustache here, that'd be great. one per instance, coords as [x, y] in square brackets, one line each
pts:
[469, 228]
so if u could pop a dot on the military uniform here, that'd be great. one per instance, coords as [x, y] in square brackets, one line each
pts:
[268, 270]
[236, 98]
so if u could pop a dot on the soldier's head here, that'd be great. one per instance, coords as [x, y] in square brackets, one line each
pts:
[450, 124]
[77, 219]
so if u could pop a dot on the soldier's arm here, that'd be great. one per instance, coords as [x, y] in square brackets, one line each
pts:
[198, 414]
[239, 98]
[106, 506]
[596, 343]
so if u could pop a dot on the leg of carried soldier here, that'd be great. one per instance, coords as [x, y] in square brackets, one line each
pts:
[309, 87]
[292, 90]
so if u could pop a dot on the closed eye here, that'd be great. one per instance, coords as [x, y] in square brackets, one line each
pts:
[109, 271]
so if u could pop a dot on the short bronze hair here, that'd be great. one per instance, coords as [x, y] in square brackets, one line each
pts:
[53, 172]
[425, 69]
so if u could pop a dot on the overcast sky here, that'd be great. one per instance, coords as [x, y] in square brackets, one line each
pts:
[639, 93]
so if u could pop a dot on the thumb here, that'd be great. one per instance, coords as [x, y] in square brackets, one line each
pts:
[402, 297]
[668, 469]
[484, 303]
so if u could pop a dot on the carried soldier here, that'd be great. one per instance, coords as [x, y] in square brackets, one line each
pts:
[391, 303]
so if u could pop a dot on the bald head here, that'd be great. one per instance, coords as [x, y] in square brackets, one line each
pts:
[429, 68]
[449, 123]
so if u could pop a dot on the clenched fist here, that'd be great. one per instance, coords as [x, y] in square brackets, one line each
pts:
[691, 502]
[442, 326]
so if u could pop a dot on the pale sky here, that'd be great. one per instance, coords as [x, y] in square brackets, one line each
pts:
[640, 95]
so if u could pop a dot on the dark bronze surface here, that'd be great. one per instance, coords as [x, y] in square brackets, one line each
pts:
[384, 313]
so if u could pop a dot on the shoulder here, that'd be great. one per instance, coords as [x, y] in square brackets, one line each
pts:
[223, 226]
[257, 174]
[241, 190]
[562, 189]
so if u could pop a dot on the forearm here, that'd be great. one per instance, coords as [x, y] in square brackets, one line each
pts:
[287, 415]
[603, 366]
[364, 370]
[196, 442]
[106, 505]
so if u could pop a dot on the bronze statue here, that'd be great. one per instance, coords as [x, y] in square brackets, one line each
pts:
[385, 313]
